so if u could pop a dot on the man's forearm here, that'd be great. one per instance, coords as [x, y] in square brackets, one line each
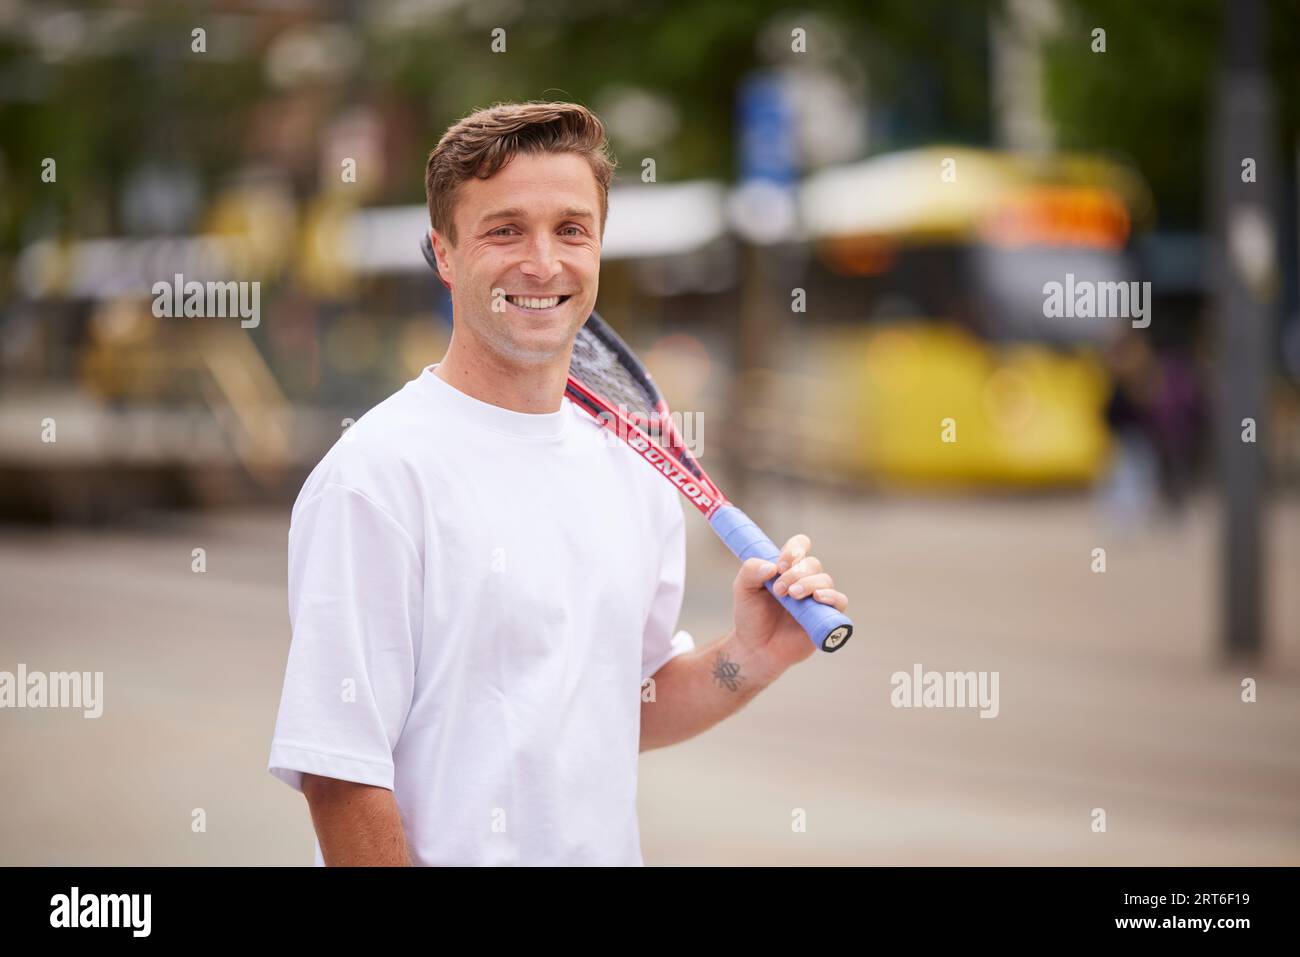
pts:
[357, 825]
[695, 691]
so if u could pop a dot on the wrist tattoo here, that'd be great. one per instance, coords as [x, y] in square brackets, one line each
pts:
[727, 672]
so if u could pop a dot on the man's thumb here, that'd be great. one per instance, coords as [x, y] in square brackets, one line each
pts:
[753, 573]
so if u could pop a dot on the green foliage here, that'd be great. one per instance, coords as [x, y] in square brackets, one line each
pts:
[147, 99]
[1150, 97]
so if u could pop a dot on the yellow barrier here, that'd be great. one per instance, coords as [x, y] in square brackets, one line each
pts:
[931, 404]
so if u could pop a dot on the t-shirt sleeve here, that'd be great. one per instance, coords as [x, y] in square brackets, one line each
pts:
[355, 607]
[662, 642]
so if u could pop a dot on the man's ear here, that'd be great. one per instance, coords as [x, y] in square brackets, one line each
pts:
[440, 255]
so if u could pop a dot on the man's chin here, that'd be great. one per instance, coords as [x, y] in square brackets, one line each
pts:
[536, 338]
[538, 351]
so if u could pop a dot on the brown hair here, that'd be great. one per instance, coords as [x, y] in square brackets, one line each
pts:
[486, 140]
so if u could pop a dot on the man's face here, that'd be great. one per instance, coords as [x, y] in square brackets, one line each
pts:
[529, 235]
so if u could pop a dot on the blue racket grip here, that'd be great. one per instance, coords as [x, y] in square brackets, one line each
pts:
[828, 628]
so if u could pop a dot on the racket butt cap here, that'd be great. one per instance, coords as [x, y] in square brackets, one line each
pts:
[837, 638]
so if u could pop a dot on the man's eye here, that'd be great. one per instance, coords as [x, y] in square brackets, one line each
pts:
[577, 230]
[501, 230]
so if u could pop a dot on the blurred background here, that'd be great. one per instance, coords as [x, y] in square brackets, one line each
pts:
[830, 235]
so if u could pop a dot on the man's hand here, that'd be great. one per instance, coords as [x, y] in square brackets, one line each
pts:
[695, 691]
[763, 628]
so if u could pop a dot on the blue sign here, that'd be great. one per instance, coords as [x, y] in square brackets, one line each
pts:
[767, 130]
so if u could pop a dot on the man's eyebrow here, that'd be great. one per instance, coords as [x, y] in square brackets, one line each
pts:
[514, 212]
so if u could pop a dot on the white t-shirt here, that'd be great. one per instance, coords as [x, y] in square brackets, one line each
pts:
[477, 596]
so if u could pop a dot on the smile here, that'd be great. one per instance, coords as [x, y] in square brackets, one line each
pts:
[534, 304]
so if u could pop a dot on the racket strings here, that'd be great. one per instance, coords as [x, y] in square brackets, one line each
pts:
[599, 368]
[603, 371]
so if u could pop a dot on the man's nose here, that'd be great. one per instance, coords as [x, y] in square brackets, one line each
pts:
[541, 259]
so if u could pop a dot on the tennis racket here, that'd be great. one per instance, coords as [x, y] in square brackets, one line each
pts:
[607, 381]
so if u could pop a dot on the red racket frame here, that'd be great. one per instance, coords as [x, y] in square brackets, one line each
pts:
[706, 496]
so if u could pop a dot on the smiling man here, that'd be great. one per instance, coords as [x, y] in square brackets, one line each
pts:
[480, 582]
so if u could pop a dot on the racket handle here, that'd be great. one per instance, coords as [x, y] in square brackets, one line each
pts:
[828, 627]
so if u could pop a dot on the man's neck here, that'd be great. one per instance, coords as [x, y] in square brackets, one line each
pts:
[521, 387]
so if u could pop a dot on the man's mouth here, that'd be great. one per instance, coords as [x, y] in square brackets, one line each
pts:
[535, 303]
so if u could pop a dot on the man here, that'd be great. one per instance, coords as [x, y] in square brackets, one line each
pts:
[480, 582]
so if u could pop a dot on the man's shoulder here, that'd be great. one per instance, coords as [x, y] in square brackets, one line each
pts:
[381, 455]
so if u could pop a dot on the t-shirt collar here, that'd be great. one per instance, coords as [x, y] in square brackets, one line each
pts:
[494, 417]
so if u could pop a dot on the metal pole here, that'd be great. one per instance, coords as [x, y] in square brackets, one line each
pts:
[1246, 280]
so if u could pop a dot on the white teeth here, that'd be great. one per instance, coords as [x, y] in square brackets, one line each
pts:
[529, 303]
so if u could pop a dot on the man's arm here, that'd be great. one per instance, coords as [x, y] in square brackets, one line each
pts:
[358, 825]
[695, 691]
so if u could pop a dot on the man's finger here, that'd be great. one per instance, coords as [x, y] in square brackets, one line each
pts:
[807, 566]
[829, 596]
[795, 549]
[805, 585]
[753, 572]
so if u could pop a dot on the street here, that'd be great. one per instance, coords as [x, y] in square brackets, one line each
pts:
[1111, 692]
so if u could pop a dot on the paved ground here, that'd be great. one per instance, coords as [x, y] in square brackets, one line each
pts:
[1110, 697]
